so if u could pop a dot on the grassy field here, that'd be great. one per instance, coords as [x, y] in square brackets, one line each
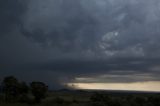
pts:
[94, 98]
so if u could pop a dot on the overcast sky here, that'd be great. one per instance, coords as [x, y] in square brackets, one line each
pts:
[80, 41]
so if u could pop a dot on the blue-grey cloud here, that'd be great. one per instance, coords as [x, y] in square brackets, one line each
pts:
[81, 38]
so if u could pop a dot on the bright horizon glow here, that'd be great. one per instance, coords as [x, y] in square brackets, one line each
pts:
[135, 86]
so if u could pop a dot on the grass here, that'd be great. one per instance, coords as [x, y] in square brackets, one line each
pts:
[77, 98]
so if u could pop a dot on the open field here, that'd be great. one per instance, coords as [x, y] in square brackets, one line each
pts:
[95, 98]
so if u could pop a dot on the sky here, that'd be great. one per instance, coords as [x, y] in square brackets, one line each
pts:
[89, 44]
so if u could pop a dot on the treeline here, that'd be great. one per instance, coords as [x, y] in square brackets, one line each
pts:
[12, 90]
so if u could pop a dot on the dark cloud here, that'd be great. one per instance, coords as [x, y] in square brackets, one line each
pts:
[80, 38]
[11, 13]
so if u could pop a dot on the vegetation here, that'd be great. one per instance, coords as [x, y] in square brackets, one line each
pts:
[14, 91]
[10, 88]
[39, 90]
[17, 93]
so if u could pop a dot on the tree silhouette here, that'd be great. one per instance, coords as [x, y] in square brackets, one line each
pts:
[39, 90]
[10, 88]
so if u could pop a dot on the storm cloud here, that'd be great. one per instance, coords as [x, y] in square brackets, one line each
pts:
[76, 40]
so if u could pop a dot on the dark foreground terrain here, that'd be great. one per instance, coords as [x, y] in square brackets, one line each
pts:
[92, 98]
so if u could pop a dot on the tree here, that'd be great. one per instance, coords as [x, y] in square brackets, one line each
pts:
[39, 90]
[10, 88]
